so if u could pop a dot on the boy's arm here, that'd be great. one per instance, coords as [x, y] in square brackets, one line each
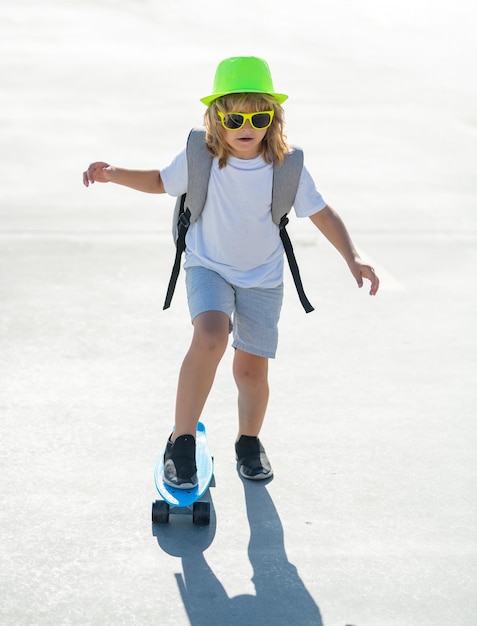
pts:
[333, 228]
[148, 181]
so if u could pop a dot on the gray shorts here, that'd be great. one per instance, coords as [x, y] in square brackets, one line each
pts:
[253, 312]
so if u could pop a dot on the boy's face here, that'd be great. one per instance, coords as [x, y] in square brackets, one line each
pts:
[244, 143]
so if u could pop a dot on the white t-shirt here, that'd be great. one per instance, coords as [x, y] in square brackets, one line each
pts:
[235, 235]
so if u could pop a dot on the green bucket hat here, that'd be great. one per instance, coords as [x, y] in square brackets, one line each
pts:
[242, 75]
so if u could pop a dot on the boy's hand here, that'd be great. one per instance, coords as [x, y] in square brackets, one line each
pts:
[360, 270]
[97, 172]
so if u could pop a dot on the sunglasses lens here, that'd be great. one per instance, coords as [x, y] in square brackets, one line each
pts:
[261, 120]
[233, 121]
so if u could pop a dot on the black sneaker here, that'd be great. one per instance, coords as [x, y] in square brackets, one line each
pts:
[180, 470]
[252, 459]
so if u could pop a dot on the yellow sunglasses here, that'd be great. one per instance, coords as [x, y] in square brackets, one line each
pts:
[236, 121]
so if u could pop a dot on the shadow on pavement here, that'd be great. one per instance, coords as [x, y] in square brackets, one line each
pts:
[281, 596]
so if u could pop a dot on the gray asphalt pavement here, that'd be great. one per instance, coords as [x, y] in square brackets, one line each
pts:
[371, 517]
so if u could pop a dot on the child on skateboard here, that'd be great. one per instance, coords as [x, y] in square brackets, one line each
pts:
[234, 258]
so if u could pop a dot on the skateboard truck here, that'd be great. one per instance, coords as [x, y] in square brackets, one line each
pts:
[200, 512]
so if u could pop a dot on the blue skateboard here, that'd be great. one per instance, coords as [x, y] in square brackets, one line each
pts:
[186, 501]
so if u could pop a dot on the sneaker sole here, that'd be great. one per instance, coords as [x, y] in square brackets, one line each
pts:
[256, 476]
[181, 486]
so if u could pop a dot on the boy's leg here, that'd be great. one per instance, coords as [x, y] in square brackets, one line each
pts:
[256, 318]
[210, 338]
[251, 377]
[209, 341]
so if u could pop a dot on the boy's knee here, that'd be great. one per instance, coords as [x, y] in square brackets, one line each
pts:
[251, 377]
[211, 341]
[211, 333]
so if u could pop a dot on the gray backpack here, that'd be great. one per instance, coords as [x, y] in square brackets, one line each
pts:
[286, 178]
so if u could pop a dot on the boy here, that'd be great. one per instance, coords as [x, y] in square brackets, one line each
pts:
[234, 257]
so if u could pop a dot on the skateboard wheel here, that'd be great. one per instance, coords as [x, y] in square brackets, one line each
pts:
[160, 512]
[201, 513]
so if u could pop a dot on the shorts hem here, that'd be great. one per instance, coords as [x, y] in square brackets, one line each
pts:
[254, 351]
[208, 310]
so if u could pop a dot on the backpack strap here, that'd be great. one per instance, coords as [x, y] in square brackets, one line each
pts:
[189, 206]
[182, 227]
[286, 179]
[199, 164]
[295, 272]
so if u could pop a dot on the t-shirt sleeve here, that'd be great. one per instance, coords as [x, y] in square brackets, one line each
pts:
[308, 200]
[174, 175]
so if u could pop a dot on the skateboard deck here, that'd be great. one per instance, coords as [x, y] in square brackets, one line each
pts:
[183, 501]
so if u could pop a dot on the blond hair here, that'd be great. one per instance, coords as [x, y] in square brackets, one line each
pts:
[273, 147]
